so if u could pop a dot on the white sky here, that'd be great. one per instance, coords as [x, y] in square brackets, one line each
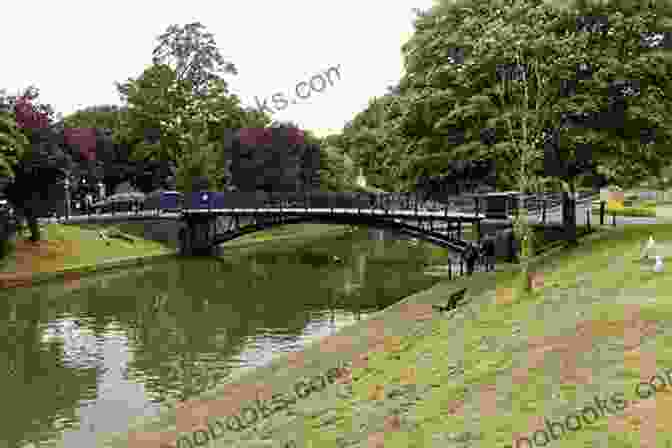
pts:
[74, 50]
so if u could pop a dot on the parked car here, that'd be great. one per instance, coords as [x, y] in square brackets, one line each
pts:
[122, 202]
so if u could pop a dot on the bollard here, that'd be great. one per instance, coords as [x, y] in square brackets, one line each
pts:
[450, 269]
[602, 210]
[613, 219]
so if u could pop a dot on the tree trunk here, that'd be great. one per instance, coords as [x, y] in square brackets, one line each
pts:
[569, 213]
[34, 227]
[26, 205]
[31, 207]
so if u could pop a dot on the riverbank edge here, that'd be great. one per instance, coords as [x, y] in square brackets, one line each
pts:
[23, 281]
[281, 372]
[86, 269]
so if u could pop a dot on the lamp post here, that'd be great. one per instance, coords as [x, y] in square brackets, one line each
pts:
[67, 196]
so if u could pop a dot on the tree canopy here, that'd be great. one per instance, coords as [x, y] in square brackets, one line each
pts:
[499, 76]
[503, 80]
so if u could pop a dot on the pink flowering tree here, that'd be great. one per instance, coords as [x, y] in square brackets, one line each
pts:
[42, 161]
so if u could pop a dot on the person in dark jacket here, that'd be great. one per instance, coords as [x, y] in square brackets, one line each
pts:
[488, 253]
[470, 257]
[482, 253]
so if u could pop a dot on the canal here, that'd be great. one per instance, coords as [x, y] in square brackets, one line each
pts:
[86, 356]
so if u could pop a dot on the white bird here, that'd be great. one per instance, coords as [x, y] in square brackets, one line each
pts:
[659, 264]
[648, 247]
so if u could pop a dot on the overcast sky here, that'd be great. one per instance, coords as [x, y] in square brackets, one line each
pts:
[74, 50]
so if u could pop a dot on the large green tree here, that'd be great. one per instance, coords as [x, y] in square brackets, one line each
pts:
[338, 172]
[193, 55]
[180, 110]
[491, 79]
[373, 141]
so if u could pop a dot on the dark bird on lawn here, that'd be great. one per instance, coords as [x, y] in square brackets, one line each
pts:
[442, 308]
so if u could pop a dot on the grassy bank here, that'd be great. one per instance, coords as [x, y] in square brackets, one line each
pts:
[66, 247]
[291, 235]
[499, 368]
[634, 208]
[489, 373]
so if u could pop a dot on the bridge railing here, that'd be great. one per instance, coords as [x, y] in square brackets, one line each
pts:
[355, 200]
[313, 199]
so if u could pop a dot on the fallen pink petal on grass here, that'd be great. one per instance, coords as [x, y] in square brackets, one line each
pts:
[416, 311]
[336, 344]
[376, 440]
[165, 439]
[488, 400]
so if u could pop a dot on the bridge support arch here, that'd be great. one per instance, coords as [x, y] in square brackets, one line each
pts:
[197, 237]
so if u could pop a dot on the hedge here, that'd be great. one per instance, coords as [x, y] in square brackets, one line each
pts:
[633, 211]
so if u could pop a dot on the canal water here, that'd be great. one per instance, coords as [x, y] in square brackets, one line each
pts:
[85, 356]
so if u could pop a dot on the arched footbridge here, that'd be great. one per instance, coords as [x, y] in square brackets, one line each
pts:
[213, 218]
[210, 218]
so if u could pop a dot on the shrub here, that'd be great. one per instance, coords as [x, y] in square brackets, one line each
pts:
[633, 211]
[5, 247]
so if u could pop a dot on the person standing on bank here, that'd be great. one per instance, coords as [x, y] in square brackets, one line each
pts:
[470, 256]
[488, 253]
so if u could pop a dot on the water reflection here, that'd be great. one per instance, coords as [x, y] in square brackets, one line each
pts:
[87, 355]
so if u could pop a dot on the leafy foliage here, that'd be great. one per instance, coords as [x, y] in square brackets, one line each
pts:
[519, 60]
[338, 172]
[195, 55]
[280, 158]
[166, 121]
[12, 145]
[375, 144]
[32, 153]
